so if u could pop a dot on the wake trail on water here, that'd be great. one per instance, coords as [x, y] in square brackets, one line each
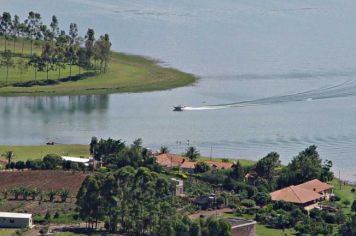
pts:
[345, 89]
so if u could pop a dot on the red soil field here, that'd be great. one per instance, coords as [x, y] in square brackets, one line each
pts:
[43, 179]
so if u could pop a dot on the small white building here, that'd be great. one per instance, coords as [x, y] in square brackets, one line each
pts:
[85, 161]
[15, 220]
[179, 191]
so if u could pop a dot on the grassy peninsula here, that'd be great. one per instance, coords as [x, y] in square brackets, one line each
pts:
[40, 59]
[125, 73]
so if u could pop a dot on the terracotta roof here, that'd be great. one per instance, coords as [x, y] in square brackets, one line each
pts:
[169, 160]
[219, 165]
[315, 185]
[295, 194]
[188, 165]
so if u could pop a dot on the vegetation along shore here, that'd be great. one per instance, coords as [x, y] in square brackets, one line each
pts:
[174, 194]
[37, 59]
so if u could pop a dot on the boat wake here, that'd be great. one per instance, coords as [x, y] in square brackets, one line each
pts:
[344, 89]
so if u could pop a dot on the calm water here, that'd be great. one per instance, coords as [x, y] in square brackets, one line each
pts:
[281, 75]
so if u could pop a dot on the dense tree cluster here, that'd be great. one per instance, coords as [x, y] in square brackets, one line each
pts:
[59, 49]
[138, 202]
[307, 165]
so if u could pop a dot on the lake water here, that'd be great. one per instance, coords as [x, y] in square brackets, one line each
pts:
[281, 75]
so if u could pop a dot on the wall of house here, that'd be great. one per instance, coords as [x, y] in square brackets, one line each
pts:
[244, 231]
[6, 222]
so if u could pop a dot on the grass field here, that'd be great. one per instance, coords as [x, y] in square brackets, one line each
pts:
[36, 152]
[7, 232]
[243, 162]
[126, 73]
[344, 193]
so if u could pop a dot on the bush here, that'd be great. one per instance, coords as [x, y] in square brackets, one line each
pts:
[44, 230]
[330, 218]
[52, 161]
[262, 198]
[201, 167]
[232, 205]
[248, 203]
[20, 165]
[334, 198]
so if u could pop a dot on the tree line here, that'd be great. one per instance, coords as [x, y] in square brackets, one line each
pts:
[58, 48]
[32, 193]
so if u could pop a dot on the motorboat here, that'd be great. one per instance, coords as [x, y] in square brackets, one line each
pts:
[178, 108]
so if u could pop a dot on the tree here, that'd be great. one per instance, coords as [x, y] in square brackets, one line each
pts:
[307, 165]
[201, 167]
[237, 172]
[349, 228]
[82, 61]
[89, 47]
[51, 194]
[34, 193]
[71, 57]
[7, 62]
[5, 27]
[265, 167]
[33, 23]
[22, 66]
[353, 206]
[47, 58]
[52, 161]
[102, 51]
[15, 30]
[63, 193]
[54, 28]
[9, 155]
[163, 150]
[37, 63]
[192, 153]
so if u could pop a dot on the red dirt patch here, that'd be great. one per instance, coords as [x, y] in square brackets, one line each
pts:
[43, 179]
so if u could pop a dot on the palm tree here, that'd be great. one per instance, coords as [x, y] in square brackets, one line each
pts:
[8, 155]
[51, 194]
[34, 193]
[163, 150]
[64, 193]
[192, 153]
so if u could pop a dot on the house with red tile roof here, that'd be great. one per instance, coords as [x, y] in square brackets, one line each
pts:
[305, 198]
[317, 186]
[219, 165]
[170, 160]
[307, 194]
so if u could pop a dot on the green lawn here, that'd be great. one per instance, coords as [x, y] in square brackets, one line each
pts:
[126, 73]
[243, 162]
[344, 193]
[7, 232]
[35, 152]
[262, 230]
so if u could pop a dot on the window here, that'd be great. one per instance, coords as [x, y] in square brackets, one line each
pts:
[12, 221]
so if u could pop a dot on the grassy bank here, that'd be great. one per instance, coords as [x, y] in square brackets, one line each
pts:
[243, 162]
[23, 153]
[126, 73]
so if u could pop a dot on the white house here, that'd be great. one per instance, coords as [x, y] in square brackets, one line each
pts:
[15, 220]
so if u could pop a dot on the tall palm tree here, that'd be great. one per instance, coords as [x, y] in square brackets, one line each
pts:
[192, 153]
[8, 155]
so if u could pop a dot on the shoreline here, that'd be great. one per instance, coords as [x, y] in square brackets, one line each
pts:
[127, 73]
